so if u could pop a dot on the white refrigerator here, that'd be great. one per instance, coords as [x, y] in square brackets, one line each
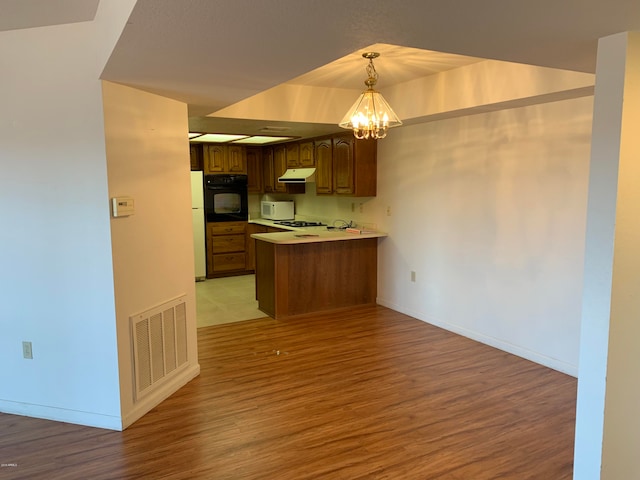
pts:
[197, 216]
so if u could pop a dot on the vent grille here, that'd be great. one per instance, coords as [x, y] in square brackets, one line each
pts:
[159, 344]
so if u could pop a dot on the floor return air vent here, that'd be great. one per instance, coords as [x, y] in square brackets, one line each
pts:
[159, 344]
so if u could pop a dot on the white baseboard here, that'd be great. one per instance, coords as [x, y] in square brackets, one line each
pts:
[45, 412]
[90, 419]
[533, 356]
[152, 400]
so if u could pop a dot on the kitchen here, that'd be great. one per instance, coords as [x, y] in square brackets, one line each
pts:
[252, 190]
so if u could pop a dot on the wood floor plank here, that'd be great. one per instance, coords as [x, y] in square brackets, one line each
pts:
[362, 394]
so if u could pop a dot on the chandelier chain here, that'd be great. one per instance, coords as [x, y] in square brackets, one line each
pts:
[372, 74]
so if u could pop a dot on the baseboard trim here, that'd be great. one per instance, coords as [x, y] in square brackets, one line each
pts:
[152, 400]
[89, 419]
[531, 355]
[97, 420]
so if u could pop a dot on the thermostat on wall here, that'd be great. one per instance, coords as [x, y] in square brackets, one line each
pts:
[122, 206]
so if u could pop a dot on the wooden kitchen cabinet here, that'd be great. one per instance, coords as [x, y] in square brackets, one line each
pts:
[306, 158]
[354, 166]
[300, 155]
[195, 153]
[274, 163]
[323, 154]
[280, 166]
[226, 248]
[292, 155]
[268, 174]
[224, 159]
[251, 244]
[254, 170]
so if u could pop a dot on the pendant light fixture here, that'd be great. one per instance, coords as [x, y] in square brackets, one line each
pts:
[371, 116]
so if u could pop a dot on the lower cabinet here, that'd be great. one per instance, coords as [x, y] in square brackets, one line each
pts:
[251, 242]
[226, 249]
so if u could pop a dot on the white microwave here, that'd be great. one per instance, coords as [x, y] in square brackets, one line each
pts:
[277, 210]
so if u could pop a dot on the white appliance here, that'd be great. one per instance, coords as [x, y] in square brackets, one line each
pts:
[277, 210]
[197, 217]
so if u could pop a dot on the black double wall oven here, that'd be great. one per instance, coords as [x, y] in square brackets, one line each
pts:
[225, 198]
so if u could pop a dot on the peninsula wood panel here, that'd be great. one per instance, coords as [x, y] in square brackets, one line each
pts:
[295, 279]
[367, 393]
[265, 277]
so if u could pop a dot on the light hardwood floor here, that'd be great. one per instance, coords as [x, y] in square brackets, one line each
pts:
[364, 394]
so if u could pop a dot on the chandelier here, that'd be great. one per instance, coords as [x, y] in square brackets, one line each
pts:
[371, 116]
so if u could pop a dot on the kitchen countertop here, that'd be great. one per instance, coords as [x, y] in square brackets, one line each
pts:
[313, 235]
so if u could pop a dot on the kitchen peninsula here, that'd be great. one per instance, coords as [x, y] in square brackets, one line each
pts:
[310, 270]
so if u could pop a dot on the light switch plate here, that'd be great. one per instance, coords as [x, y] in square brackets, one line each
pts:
[122, 206]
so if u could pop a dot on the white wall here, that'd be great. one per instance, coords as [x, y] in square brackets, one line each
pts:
[148, 159]
[489, 211]
[56, 283]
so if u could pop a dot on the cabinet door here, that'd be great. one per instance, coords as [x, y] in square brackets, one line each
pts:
[268, 172]
[343, 165]
[195, 153]
[236, 159]
[279, 166]
[251, 244]
[293, 155]
[214, 158]
[306, 155]
[324, 166]
[254, 170]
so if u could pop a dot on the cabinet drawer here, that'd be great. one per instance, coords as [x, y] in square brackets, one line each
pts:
[228, 243]
[229, 261]
[227, 228]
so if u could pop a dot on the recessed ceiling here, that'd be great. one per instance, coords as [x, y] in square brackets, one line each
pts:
[212, 54]
[396, 64]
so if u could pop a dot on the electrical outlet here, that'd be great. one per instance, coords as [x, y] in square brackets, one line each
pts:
[413, 276]
[26, 350]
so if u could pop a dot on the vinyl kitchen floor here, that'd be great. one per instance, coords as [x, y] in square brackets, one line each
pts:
[226, 300]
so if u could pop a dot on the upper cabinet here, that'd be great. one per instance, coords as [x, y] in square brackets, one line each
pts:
[268, 173]
[280, 166]
[224, 159]
[254, 170]
[307, 157]
[292, 154]
[346, 166]
[300, 155]
[195, 151]
[274, 164]
[323, 154]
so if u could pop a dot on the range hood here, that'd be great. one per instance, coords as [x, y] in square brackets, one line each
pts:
[298, 175]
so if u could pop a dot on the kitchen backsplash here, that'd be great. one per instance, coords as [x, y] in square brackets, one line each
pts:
[326, 209]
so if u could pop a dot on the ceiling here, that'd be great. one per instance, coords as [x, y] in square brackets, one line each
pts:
[213, 53]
